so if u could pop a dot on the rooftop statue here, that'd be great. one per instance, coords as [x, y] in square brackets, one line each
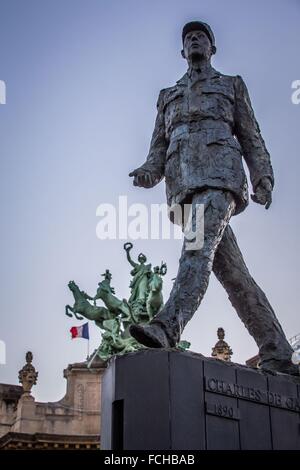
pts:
[115, 318]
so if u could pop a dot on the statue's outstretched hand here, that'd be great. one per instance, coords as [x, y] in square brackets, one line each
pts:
[263, 193]
[144, 178]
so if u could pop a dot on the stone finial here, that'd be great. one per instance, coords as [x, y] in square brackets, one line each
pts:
[28, 375]
[221, 350]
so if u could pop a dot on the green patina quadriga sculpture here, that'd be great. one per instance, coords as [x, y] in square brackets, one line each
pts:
[114, 319]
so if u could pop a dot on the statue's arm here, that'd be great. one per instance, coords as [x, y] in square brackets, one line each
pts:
[248, 134]
[133, 264]
[152, 171]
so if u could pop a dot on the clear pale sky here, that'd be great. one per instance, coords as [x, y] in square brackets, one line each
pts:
[82, 81]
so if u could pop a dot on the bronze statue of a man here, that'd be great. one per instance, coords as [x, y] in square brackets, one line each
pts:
[205, 124]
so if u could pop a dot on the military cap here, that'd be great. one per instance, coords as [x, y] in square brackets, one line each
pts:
[199, 25]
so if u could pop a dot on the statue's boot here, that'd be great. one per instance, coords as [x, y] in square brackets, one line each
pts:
[281, 366]
[152, 336]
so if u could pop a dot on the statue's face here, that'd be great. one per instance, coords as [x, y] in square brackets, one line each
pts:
[196, 46]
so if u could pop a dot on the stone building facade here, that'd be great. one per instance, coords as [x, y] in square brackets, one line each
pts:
[70, 423]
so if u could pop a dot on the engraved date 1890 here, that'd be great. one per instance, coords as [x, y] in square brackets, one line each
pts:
[223, 410]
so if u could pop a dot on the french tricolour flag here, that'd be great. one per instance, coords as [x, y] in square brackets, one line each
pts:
[80, 331]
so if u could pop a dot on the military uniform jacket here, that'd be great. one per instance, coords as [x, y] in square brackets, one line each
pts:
[204, 127]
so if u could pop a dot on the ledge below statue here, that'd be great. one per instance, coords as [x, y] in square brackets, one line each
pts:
[169, 400]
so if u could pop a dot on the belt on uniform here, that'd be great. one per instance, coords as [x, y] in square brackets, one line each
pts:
[200, 126]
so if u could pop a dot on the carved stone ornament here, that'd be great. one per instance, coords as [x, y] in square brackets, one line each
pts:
[222, 350]
[28, 375]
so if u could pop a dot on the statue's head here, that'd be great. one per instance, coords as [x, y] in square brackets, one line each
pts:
[107, 275]
[198, 41]
[72, 285]
[142, 258]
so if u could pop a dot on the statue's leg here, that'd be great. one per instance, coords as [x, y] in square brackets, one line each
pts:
[195, 266]
[69, 308]
[249, 301]
[78, 317]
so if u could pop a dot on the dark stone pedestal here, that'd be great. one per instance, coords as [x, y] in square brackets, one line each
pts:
[164, 399]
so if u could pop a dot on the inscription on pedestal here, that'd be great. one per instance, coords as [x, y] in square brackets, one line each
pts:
[257, 395]
[217, 408]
